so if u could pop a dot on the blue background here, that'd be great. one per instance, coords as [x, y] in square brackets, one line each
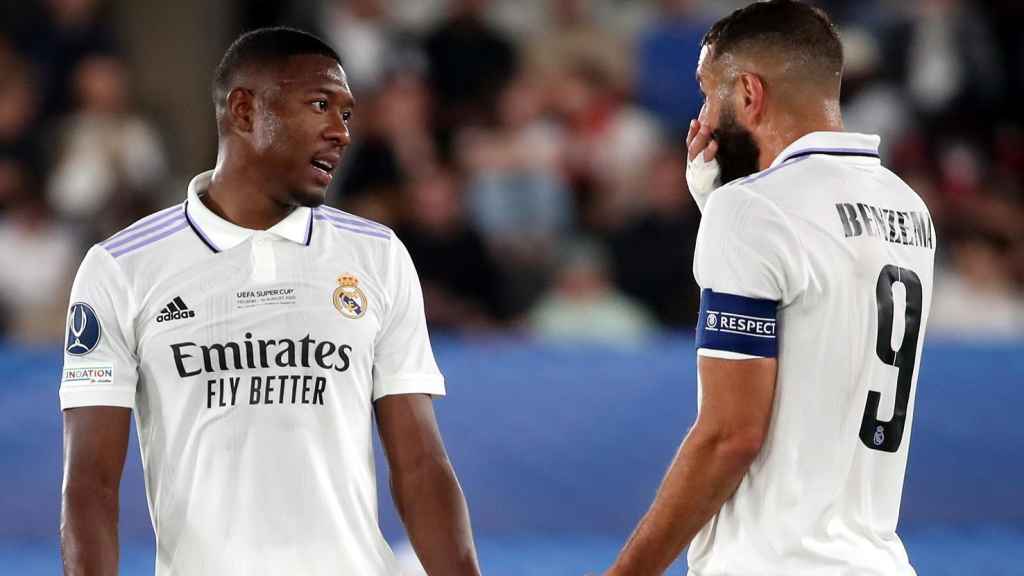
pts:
[560, 448]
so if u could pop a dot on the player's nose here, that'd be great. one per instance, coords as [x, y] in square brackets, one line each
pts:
[337, 131]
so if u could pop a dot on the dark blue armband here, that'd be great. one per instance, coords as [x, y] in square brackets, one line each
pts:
[737, 324]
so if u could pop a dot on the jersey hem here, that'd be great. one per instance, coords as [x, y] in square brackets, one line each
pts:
[726, 354]
[433, 385]
[96, 396]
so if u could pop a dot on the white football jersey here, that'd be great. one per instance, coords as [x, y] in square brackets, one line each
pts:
[252, 360]
[825, 260]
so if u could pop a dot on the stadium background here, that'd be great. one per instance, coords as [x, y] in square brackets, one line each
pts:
[529, 154]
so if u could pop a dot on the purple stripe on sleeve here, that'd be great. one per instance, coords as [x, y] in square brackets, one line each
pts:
[150, 239]
[164, 222]
[148, 222]
[346, 218]
[363, 231]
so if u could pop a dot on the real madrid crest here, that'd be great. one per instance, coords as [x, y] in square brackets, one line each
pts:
[348, 298]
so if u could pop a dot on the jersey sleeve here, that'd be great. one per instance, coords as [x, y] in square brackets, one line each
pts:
[100, 366]
[748, 263]
[403, 359]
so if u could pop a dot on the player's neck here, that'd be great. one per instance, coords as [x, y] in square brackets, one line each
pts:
[238, 194]
[778, 139]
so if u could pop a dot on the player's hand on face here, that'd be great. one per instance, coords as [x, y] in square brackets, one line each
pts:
[698, 139]
[702, 170]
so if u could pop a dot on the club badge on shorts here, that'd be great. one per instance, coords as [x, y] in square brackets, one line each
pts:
[348, 298]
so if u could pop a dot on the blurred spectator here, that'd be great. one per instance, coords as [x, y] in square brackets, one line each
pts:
[871, 103]
[365, 37]
[57, 38]
[469, 61]
[460, 280]
[574, 36]
[975, 296]
[110, 161]
[393, 143]
[584, 305]
[18, 112]
[666, 63]
[37, 263]
[516, 193]
[609, 144]
[419, 16]
[653, 252]
[947, 54]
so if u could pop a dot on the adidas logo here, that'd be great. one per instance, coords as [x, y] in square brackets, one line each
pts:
[175, 310]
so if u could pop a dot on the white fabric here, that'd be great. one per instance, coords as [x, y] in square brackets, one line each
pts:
[816, 501]
[224, 234]
[260, 480]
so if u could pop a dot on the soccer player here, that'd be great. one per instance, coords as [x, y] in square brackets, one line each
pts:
[255, 332]
[815, 265]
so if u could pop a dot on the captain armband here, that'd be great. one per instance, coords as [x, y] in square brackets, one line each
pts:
[737, 324]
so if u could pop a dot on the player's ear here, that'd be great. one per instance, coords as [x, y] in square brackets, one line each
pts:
[241, 109]
[753, 95]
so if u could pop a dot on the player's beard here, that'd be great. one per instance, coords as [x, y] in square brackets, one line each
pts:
[738, 154]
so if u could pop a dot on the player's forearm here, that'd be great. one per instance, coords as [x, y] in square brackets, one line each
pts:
[433, 509]
[88, 531]
[704, 474]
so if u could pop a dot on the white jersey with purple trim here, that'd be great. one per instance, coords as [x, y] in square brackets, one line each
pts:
[826, 257]
[252, 360]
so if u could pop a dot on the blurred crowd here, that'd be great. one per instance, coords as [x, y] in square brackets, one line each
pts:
[528, 153]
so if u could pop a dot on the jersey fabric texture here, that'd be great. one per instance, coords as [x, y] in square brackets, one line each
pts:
[252, 360]
[843, 250]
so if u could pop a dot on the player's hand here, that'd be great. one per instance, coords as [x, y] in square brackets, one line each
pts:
[702, 169]
[698, 139]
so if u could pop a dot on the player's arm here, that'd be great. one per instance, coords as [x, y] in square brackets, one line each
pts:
[735, 410]
[97, 392]
[95, 443]
[749, 264]
[423, 485]
[405, 379]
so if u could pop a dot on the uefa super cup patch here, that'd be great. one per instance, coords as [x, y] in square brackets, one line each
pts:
[84, 330]
[738, 324]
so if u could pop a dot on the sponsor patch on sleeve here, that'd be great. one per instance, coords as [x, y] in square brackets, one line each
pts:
[732, 323]
[87, 375]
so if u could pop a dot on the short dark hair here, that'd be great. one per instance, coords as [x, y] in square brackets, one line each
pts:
[265, 46]
[802, 33]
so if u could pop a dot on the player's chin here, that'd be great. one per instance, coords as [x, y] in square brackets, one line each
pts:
[310, 195]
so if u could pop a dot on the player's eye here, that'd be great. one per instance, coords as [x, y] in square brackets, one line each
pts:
[321, 105]
[346, 115]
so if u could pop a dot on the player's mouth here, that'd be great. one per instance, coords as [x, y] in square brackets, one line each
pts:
[323, 167]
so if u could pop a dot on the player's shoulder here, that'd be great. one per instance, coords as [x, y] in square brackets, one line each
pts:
[146, 233]
[770, 192]
[352, 227]
[731, 204]
[740, 214]
[797, 171]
